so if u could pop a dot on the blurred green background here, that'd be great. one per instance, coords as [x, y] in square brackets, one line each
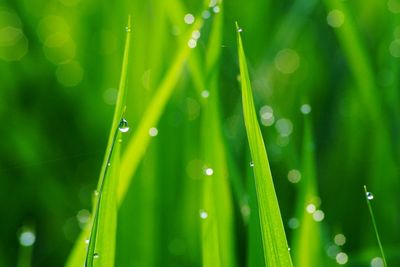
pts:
[332, 63]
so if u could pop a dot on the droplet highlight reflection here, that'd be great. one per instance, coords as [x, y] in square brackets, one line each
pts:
[123, 126]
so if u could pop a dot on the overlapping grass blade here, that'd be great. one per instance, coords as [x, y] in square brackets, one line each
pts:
[105, 209]
[217, 239]
[140, 140]
[273, 234]
[307, 246]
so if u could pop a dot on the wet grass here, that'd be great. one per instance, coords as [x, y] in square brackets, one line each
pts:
[241, 144]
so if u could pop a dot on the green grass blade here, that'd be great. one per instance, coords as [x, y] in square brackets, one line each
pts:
[369, 196]
[104, 212]
[218, 248]
[140, 140]
[307, 247]
[273, 234]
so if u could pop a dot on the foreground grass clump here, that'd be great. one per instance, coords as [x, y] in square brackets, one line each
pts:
[306, 115]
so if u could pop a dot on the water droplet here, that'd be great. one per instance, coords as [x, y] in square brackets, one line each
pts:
[339, 239]
[335, 18]
[287, 61]
[109, 164]
[311, 208]
[203, 214]
[216, 9]
[87, 241]
[96, 255]
[369, 195]
[239, 29]
[206, 14]
[342, 258]
[251, 164]
[153, 131]
[288, 248]
[212, 3]
[83, 216]
[267, 115]
[284, 127]
[293, 223]
[305, 108]
[377, 262]
[188, 18]
[123, 126]
[27, 238]
[196, 34]
[245, 209]
[95, 193]
[128, 29]
[208, 171]
[205, 94]
[318, 216]
[192, 43]
[294, 176]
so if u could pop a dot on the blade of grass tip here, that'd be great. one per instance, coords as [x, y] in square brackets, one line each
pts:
[78, 256]
[276, 251]
[369, 196]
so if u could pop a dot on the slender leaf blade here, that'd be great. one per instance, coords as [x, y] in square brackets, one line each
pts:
[273, 234]
[102, 209]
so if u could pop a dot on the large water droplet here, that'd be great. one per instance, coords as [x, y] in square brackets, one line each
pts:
[123, 126]
[369, 195]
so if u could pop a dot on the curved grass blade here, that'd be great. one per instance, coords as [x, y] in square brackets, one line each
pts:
[104, 212]
[273, 234]
[369, 196]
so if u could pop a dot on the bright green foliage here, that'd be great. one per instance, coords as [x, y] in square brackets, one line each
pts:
[217, 229]
[179, 190]
[276, 250]
[101, 233]
[307, 244]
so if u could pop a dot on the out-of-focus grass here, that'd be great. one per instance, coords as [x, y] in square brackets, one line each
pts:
[58, 91]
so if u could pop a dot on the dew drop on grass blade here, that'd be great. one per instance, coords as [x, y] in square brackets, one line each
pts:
[276, 252]
[101, 231]
[369, 197]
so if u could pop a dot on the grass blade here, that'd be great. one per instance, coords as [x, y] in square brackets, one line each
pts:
[307, 247]
[273, 234]
[139, 142]
[218, 248]
[104, 211]
[369, 196]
